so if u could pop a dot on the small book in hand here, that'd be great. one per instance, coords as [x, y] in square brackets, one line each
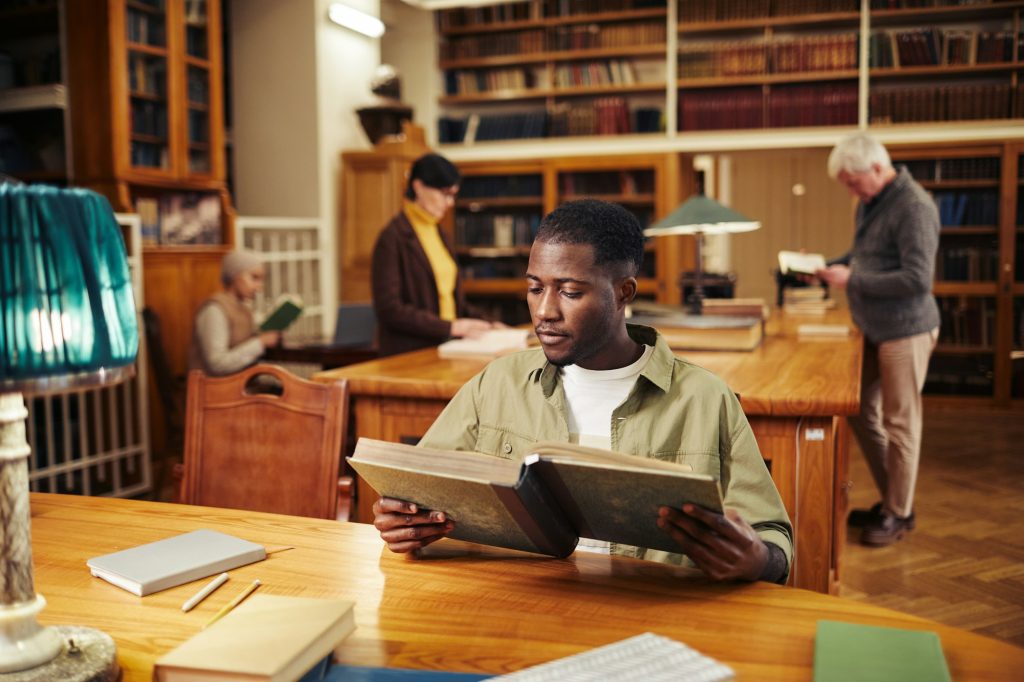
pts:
[544, 503]
[800, 263]
[287, 311]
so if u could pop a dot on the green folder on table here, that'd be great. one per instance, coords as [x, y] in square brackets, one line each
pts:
[849, 652]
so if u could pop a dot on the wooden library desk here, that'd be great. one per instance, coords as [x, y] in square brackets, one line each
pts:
[468, 609]
[794, 392]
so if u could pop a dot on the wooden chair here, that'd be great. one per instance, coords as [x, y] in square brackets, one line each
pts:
[247, 449]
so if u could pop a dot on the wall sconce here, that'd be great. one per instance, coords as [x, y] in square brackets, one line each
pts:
[353, 19]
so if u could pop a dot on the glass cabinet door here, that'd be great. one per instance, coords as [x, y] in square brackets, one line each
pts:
[146, 26]
[197, 86]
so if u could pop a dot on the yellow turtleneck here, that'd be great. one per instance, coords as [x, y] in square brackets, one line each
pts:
[441, 261]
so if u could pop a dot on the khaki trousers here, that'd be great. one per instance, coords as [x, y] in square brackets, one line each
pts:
[888, 428]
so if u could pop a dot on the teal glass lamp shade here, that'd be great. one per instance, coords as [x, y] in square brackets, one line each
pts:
[67, 310]
[699, 214]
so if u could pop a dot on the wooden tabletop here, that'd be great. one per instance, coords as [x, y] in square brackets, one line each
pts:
[784, 376]
[466, 608]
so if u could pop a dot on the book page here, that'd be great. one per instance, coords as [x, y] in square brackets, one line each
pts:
[804, 263]
[647, 657]
[556, 451]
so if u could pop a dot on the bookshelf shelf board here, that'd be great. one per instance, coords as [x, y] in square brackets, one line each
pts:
[943, 69]
[198, 106]
[52, 96]
[199, 146]
[198, 62]
[968, 229]
[580, 91]
[629, 199]
[955, 349]
[969, 125]
[767, 78]
[135, 94]
[809, 20]
[964, 288]
[143, 48]
[475, 205]
[148, 139]
[493, 251]
[28, 20]
[958, 184]
[554, 56]
[40, 175]
[921, 15]
[143, 7]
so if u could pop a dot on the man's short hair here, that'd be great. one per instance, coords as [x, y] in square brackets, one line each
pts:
[433, 170]
[857, 153]
[613, 231]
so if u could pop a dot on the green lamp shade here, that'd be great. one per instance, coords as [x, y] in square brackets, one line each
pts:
[704, 215]
[67, 311]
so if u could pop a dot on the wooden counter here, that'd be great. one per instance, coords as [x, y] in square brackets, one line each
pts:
[467, 609]
[794, 392]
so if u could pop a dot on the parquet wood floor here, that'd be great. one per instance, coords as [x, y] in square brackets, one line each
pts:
[964, 563]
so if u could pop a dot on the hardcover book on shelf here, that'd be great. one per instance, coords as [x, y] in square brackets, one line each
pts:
[544, 503]
[267, 638]
[174, 561]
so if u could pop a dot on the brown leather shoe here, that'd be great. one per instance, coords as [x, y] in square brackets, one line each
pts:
[861, 518]
[885, 530]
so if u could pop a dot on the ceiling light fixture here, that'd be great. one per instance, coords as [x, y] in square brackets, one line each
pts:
[360, 22]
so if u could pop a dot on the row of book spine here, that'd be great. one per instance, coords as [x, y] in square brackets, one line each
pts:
[731, 10]
[149, 118]
[779, 55]
[490, 186]
[496, 229]
[969, 207]
[474, 81]
[626, 183]
[803, 105]
[966, 321]
[945, 103]
[602, 116]
[960, 375]
[147, 75]
[935, 47]
[967, 263]
[524, 11]
[922, 4]
[939, 170]
[149, 155]
[555, 39]
[145, 28]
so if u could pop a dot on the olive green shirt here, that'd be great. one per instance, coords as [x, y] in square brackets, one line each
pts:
[676, 411]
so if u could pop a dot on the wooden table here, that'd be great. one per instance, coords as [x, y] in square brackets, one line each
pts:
[795, 394]
[469, 608]
[320, 352]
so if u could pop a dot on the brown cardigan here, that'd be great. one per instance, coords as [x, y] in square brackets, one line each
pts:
[405, 292]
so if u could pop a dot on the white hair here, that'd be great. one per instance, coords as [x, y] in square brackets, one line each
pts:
[857, 153]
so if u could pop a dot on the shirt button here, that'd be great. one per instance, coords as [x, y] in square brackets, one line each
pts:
[507, 448]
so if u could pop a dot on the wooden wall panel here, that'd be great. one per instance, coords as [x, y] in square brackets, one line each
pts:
[798, 205]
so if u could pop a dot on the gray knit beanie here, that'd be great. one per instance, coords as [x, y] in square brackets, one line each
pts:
[237, 262]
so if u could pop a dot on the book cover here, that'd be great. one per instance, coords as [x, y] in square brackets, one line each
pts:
[492, 343]
[269, 638]
[850, 652]
[287, 311]
[684, 331]
[174, 561]
[544, 503]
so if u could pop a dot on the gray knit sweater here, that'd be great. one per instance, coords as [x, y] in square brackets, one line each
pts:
[892, 262]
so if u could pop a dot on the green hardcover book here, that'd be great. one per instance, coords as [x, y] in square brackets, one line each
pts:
[849, 652]
[287, 311]
[543, 503]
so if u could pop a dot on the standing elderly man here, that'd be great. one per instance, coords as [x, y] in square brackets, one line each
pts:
[887, 276]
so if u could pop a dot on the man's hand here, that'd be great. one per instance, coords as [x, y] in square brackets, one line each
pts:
[835, 275]
[725, 546]
[407, 529]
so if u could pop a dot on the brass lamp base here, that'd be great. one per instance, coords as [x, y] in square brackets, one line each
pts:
[88, 655]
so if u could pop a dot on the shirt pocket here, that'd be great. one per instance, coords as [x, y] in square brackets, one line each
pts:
[498, 441]
[699, 462]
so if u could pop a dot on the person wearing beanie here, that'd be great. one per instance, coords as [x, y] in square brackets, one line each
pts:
[224, 335]
[417, 291]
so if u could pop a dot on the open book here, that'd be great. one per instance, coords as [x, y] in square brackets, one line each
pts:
[287, 311]
[544, 503]
[491, 343]
[802, 263]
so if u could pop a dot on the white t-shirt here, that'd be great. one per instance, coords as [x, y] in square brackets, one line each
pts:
[592, 396]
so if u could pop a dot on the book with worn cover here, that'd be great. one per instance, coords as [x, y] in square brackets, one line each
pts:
[802, 263]
[683, 331]
[174, 561]
[287, 311]
[851, 652]
[268, 638]
[545, 502]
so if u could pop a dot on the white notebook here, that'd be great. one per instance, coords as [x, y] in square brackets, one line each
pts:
[174, 561]
[647, 657]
